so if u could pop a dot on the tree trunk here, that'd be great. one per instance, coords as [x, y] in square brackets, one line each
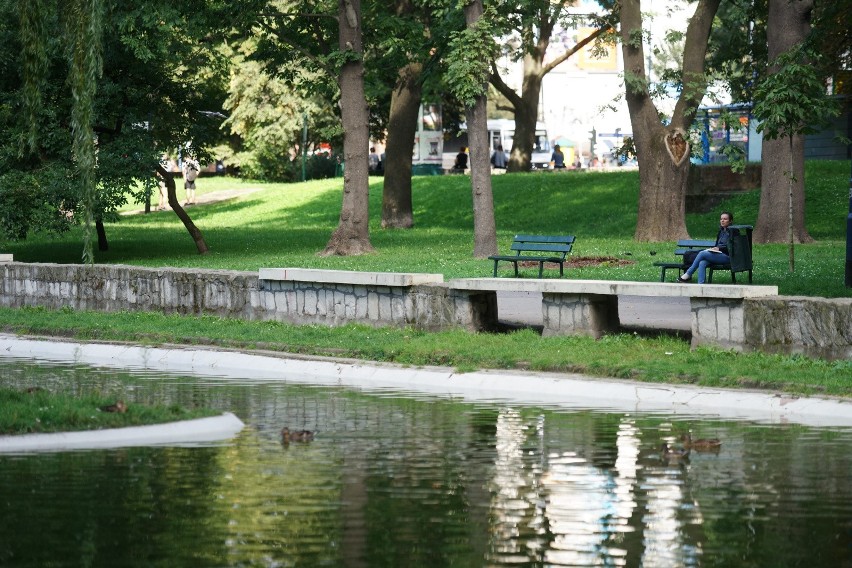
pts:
[525, 106]
[662, 185]
[787, 25]
[402, 126]
[526, 116]
[179, 211]
[352, 236]
[484, 226]
[103, 245]
[662, 151]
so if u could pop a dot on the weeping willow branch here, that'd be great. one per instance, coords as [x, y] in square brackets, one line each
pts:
[83, 30]
[34, 58]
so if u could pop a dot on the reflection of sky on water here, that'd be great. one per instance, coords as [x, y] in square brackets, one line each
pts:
[582, 513]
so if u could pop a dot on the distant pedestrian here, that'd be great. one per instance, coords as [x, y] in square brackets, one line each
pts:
[373, 161]
[461, 160]
[498, 159]
[190, 173]
[557, 159]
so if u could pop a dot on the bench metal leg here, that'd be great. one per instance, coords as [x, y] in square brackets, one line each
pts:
[495, 268]
[516, 268]
[540, 269]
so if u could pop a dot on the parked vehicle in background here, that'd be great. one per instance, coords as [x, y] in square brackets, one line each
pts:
[501, 132]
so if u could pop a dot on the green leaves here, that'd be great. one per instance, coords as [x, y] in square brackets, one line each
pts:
[83, 28]
[469, 58]
[793, 100]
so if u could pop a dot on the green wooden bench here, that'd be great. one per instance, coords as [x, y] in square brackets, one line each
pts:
[549, 248]
[739, 249]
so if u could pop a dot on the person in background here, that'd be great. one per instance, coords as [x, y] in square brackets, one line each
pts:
[161, 184]
[373, 161]
[718, 254]
[190, 173]
[461, 160]
[557, 159]
[498, 158]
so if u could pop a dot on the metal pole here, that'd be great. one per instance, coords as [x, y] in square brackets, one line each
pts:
[304, 142]
[849, 238]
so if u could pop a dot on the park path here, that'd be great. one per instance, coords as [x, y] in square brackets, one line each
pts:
[205, 198]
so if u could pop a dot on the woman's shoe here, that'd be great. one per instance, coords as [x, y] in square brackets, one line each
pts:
[684, 278]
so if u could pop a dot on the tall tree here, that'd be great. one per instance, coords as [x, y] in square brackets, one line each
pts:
[352, 236]
[783, 161]
[159, 79]
[397, 205]
[470, 53]
[663, 149]
[307, 29]
[535, 22]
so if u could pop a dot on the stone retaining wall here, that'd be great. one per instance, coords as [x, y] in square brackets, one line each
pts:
[817, 327]
[242, 295]
[812, 326]
[711, 184]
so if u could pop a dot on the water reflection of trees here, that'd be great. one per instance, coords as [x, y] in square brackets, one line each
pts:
[396, 481]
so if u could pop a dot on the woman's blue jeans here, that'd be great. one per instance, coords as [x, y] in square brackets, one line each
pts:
[701, 261]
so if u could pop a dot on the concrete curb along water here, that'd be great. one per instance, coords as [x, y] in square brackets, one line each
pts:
[548, 389]
[184, 433]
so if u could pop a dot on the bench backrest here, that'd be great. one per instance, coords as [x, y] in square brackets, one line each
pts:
[543, 243]
[740, 248]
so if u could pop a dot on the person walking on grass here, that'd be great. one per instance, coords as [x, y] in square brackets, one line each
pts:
[718, 254]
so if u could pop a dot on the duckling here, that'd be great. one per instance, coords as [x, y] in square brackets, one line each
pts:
[296, 435]
[701, 444]
[119, 406]
[670, 453]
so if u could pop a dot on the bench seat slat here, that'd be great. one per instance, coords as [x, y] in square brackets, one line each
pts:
[524, 247]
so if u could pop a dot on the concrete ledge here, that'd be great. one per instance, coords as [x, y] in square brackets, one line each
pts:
[184, 433]
[348, 277]
[614, 287]
[6, 258]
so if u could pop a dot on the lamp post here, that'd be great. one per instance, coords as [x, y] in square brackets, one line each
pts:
[849, 238]
[304, 142]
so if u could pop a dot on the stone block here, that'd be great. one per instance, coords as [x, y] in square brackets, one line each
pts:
[311, 301]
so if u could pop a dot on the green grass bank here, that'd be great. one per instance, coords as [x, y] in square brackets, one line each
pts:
[287, 224]
[41, 411]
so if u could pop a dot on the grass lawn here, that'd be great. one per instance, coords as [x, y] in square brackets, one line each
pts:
[41, 411]
[287, 224]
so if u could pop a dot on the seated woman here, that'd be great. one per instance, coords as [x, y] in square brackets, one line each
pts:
[718, 254]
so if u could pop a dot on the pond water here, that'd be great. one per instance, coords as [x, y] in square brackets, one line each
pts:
[400, 480]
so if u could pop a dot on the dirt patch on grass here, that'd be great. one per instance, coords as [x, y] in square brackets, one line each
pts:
[582, 261]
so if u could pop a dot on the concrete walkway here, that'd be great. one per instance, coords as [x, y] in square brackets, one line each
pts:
[563, 390]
